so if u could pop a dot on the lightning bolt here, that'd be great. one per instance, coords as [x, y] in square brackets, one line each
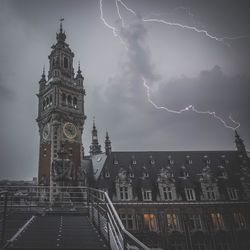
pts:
[203, 31]
[189, 108]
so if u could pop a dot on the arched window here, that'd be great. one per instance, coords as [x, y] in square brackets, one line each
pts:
[63, 98]
[65, 62]
[47, 102]
[69, 100]
[44, 104]
[75, 102]
[50, 100]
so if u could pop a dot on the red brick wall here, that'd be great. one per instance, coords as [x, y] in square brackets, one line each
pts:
[44, 162]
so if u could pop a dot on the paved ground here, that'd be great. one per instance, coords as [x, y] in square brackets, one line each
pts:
[60, 232]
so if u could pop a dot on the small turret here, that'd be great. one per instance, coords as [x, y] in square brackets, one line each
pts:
[94, 148]
[240, 144]
[107, 144]
[42, 82]
[79, 77]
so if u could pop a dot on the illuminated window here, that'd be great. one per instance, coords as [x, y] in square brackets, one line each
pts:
[150, 222]
[190, 194]
[128, 221]
[147, 195]
[167, 193]
[217, 220]
[173, 222]
[210, 193]
[124, 193]
[239, 220]
[195, 222]
[233, 193]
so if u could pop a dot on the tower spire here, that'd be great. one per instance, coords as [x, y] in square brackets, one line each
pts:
[95, 147]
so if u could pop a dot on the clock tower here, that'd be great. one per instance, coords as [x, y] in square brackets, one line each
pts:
[60, 116]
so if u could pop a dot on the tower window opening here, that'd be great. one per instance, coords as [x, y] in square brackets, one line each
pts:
[50, 100]
[69, 100]
[47, 102]
[63, 98]
[44, 104]
[75, 102]
[65, 62]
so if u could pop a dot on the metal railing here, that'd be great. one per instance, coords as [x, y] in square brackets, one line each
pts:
[3, 213]
[104, 216]
[74, 199]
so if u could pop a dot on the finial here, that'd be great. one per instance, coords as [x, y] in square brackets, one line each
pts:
[61, 20]
[93, 121]
[107, 135]
[43, 75]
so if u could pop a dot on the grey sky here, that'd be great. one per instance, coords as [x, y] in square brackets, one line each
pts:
[182, 67]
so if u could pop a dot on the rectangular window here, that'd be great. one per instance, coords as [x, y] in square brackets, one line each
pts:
[167, 193]
[195, 222]
[124, 193]
[173, 222]
[150, 222]
[239, 220]
[217, 220]
[147, 195]
[211, 195]
[190, 194]
[233, 193]
[199, 246]
[128, 221]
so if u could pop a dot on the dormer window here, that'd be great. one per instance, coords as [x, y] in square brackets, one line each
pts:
[147, 195]
[115, 162]
[131, 174]
[167, 193]
[190, 194]
[232, 194]
[146, 174]
[210, 193]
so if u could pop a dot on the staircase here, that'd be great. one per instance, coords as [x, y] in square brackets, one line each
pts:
[68, 232]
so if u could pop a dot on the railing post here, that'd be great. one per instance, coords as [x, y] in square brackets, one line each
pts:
[107, 225]
[98, 213]
[4, 217]
[87, 192]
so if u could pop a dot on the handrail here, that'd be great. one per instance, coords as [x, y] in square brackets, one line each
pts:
[3, 214]
[122, 239]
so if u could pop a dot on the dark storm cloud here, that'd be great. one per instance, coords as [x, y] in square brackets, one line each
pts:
[115, 93]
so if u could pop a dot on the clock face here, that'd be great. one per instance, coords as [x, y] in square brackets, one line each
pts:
[46, 131]
[69, 129]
